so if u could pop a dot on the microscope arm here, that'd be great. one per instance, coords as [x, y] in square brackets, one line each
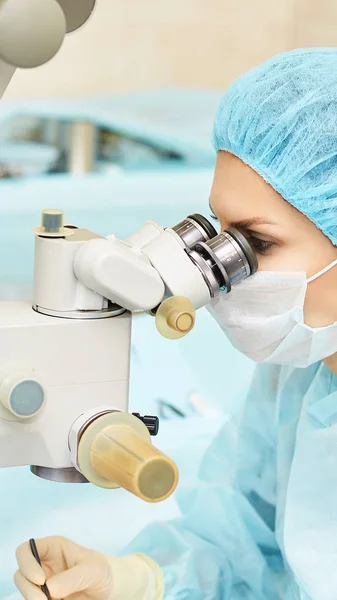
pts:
[119, 272]
[6, 74]
[87, 271]
[64, 366]
[139, 272]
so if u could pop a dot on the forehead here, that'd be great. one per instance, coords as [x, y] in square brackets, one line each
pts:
[239, 193]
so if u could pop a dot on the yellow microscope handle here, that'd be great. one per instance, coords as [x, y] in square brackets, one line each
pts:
[115, 450]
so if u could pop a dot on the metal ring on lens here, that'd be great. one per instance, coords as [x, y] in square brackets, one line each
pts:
[194, 229]
[224, 261]
[226, 285]
[206, 272]
[227, 233]
[244, 248]
[204, 224]
[195, 224]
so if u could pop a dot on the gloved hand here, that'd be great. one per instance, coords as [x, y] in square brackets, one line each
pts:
[72, 570]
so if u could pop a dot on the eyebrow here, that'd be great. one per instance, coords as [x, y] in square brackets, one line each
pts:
[246, 223]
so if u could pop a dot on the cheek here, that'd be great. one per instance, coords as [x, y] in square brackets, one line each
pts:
[282, 258]
[312, 309]
[319, 308]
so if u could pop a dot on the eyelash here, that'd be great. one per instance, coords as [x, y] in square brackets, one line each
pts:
[212, 215]
[260, 246]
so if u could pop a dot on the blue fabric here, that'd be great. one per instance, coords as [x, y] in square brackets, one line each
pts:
[261, 521]
[281, 119]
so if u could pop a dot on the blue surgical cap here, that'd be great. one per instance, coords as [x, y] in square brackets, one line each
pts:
[280, 118]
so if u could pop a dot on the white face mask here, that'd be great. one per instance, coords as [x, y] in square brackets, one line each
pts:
[263, 318]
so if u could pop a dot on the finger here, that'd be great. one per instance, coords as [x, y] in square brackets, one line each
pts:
[82, 577]
[28, 565]
[27, 589]
[49, 546]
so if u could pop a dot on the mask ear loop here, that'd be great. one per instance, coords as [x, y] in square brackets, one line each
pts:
[322, 271]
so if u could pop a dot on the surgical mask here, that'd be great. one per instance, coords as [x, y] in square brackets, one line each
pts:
[263, 317]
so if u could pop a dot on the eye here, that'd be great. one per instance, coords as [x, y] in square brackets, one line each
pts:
[260, 246]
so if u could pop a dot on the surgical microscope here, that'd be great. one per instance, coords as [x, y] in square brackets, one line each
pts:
[65, 356]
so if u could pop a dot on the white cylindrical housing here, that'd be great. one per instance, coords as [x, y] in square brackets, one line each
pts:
[56, 286]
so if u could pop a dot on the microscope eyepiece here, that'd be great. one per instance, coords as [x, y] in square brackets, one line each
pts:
[224, 260]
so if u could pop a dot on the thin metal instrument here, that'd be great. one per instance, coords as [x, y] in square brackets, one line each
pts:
[35, 553]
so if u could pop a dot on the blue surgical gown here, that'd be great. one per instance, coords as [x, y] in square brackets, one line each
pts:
[261, 522]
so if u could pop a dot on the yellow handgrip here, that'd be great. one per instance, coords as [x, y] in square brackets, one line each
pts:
[175, 317]
[116, 451]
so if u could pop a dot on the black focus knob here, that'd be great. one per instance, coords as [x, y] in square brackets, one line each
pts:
[152, 423]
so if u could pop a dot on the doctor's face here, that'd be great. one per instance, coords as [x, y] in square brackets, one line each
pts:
[283, 238]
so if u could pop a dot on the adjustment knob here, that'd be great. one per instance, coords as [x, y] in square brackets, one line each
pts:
[175, 317]
[52, 224]
[22, 395]
[151, 422]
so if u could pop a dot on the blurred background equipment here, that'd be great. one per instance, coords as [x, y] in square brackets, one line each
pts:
[142, 131]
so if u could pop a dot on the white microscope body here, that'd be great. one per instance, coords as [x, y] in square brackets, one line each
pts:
[64, 367]
[65, 356]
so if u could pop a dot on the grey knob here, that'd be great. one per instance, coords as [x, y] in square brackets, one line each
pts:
[22, 395]
[52, 221]
[31, 31]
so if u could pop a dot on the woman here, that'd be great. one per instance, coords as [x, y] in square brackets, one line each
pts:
[262, 523]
